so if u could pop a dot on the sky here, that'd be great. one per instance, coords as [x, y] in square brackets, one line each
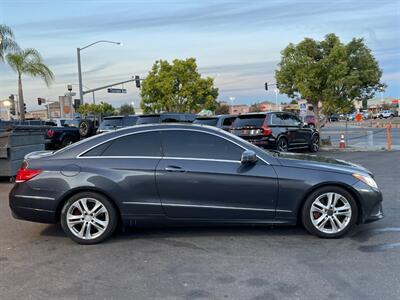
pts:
[238, 43]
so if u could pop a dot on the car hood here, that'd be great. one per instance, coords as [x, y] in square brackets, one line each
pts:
[319, 163]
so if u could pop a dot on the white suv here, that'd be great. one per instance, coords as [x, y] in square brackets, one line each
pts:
[385, 114]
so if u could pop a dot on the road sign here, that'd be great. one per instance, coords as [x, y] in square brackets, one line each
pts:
[358, 117]
[118, 91]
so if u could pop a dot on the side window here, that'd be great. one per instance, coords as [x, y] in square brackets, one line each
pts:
[228, 121]
[139, 144]
[194, 144]
[291, 120]
[277, 119]
[97, 151]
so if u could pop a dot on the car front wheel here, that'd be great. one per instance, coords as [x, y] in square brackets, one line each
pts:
[88, 218]
[314, 143]
[329, 212]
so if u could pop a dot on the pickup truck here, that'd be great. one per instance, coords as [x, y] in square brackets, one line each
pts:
[63, 133]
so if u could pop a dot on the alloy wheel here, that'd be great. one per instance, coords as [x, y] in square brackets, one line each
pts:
[87, 218]
[315, 143]
[282, 145]
[330, 213]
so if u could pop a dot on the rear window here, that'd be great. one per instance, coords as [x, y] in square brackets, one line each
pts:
[249, 121]
[112, 122]
[171, 118]
[206, 121]
[148, 119]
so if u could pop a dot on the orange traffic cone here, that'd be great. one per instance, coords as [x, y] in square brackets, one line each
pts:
[342, 143]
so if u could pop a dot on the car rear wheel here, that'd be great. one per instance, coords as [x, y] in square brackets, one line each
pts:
[329, 212]
[282, 145]
[88, 218]
[314, 143]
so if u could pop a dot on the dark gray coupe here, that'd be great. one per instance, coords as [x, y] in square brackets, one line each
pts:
[188, 174]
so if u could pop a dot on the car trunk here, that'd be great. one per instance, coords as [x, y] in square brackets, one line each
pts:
[250, 127]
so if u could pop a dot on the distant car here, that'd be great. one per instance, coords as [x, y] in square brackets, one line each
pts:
[351, 117]
[166, 118]
[221, 121]
[385, 114]
[116, 122]
[276, 130]
[334, 118]
[309, 120]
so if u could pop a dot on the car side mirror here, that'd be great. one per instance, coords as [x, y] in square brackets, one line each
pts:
[248, 157]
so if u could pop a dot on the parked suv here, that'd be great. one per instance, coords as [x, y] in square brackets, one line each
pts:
[277, 130]
[116, 122]
[165, 118]
[385, 114]
[221, 121]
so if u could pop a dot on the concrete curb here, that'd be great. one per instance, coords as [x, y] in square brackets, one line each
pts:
[358, 149]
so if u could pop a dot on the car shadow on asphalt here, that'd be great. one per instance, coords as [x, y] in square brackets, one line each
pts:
[55, 230]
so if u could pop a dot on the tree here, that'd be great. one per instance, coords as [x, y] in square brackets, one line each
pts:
[127, 109]
[221, 109]
[7, 42]
[28, 62]
[255, 107]
[177, 87]
[103, 108]
[328, 72]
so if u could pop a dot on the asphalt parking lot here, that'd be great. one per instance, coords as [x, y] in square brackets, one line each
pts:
[37, 261]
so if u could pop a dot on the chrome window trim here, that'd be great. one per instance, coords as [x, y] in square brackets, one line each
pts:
[162, 129]
[207, 206]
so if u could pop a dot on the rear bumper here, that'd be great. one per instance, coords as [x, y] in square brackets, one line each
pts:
[25, 204]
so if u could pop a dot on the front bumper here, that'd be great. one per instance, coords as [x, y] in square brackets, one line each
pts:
[371, 203]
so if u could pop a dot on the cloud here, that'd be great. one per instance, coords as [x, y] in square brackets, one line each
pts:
[221, 16]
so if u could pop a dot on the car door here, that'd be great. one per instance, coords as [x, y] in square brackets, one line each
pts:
[200, 176]
[125, 166]
[302, 135]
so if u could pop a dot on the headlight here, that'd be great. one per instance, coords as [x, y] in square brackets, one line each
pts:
[366, 179]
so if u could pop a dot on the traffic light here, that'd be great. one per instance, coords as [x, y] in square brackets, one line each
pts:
[77, 103]
[12, 106]
[266, 86]
[137, 81]
[40, 101]
[24, 107]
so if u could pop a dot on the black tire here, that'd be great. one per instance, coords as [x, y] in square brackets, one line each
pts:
[306, 212]
[109, 229]
[282, 144]
[86, 128]
[314, 143]
[66, 142]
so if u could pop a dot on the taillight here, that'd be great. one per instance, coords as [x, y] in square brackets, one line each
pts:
[266, 130]
[24, 174]
[50, 133]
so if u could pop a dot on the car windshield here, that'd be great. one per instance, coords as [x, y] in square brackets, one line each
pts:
[249, 121]
[206, 121]
[71, 123]
[148, 119]
[112, 122]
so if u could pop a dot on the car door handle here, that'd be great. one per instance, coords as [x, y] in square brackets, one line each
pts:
[174, 169]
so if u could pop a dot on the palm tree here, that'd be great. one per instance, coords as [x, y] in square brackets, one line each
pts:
[29, 62]
[7, 42]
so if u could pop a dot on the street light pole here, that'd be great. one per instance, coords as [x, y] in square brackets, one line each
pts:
[78, 55]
